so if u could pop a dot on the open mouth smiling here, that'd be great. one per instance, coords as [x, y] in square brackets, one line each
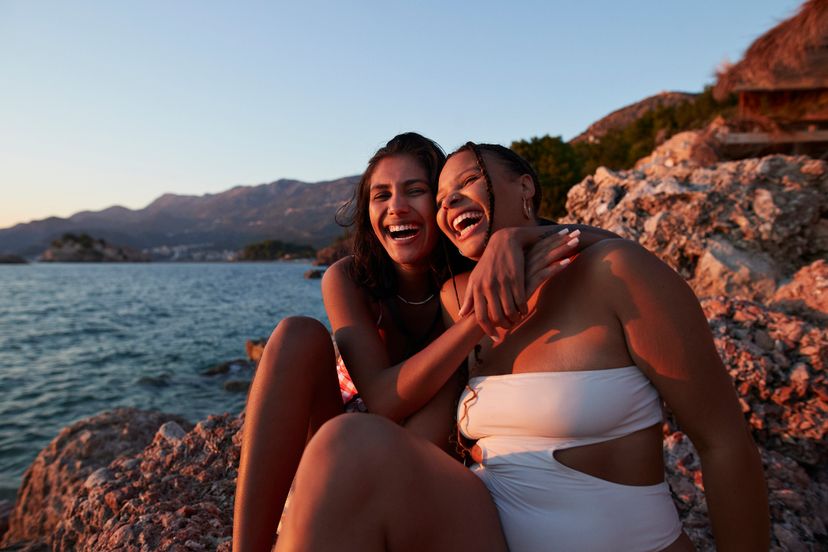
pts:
[403, 232]
[465, 223]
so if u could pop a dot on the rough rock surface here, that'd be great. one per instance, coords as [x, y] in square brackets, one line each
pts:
[58, 473]
[778, 365]
[177, 494]
[737, 228]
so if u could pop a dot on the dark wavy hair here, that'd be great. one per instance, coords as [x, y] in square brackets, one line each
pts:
[372, 268]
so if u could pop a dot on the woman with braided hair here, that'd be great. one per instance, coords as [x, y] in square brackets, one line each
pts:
[564, 406]
[383, 307]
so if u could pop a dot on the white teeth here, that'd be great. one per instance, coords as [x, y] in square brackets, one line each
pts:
[463, 216]
[402, 227]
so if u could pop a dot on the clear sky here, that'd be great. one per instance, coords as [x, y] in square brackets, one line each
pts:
[114, 102]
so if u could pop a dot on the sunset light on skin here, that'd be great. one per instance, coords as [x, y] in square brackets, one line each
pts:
[116, 104]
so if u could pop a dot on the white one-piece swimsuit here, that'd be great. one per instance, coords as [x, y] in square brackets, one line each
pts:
[520, 420]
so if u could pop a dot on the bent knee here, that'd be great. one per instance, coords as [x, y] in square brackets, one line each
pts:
[354, 440]
[302, 328]
[299, 343]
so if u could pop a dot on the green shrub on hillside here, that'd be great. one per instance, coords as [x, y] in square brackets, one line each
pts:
[85, 241]
[558, 166]
[272, 250]
[620, 148]
[561, 165]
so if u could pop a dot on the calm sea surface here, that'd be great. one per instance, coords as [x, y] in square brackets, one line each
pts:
[77, 339]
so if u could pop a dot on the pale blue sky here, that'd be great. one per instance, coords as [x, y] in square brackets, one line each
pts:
[114, 102]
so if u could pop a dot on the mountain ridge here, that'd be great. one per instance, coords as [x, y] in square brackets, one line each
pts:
[291, 210]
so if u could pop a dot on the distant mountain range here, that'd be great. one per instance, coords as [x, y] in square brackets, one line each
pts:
[176, 226]
[182, 227]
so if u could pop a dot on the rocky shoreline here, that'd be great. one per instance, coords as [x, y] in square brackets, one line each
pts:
[750, 237]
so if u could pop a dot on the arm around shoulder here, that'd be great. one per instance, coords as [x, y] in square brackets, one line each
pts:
[394, 391]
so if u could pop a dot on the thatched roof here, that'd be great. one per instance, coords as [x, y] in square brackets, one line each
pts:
[791, 56]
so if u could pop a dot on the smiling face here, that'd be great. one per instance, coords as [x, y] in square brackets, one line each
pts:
[401, 210]
[463, 210]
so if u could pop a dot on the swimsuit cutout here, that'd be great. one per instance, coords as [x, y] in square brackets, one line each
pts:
[520, 420]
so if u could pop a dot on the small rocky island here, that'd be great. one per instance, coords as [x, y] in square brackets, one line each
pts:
[83, 248]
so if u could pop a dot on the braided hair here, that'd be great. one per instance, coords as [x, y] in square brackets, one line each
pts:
[518, 166]
[509, 159]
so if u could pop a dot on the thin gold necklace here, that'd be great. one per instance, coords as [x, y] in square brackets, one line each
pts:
[415, 303]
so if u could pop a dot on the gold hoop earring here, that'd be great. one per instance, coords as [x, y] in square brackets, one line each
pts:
[527, 209]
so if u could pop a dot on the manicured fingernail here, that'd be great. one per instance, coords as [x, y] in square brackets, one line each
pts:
[571, 242]
[564, 262]
[564, 231]
[575, 233]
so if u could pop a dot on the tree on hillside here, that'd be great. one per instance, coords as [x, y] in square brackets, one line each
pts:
[621, 147]
[271, 250]
[558, 167]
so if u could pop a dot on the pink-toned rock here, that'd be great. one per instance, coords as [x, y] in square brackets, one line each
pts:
[807, 288]
[684, 150]
[737, 228]
[60, 471]
[175, 494]
[255, 349]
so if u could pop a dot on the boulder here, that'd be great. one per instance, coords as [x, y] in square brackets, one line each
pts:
[314, 273]
[61, 469]
[741, 228]
[255, 349]
[175, 494]
[806, 289]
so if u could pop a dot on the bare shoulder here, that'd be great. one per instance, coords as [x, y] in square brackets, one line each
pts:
[338, 276]
[624, 261]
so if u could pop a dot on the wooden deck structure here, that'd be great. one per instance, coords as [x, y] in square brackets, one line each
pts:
[782, 85]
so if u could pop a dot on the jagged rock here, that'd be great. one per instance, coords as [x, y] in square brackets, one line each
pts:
[314, 274]
[737, 227]
[237, 386]
[808, 288]
[342, 247]
[235, 365]
[685, 149]
[777, 361]
[6, 507]
[176, 494]
[61, 469]
[255, 349]
[798, 503]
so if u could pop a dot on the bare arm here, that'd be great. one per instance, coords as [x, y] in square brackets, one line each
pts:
[669, 339]
[393, 391]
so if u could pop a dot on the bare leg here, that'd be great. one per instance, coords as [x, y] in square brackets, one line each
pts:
[367, 484]
[294, 392]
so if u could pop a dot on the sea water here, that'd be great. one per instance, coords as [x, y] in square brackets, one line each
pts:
[78, 339]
